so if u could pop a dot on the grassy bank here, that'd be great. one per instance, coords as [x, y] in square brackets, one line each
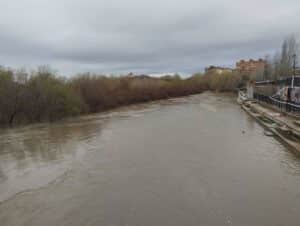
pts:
[44, 96]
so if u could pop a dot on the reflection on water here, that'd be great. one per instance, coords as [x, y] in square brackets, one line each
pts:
[33, 156]
[198, 160]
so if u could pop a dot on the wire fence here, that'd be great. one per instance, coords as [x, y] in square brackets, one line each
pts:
[281, 105]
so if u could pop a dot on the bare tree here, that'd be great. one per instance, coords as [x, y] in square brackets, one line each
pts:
[288, 50]
[268, 70]
[276, 66]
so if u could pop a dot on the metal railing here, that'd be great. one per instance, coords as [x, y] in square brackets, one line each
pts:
[284, 106]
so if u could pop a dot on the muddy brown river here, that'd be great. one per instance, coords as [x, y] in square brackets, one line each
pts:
[199, 160]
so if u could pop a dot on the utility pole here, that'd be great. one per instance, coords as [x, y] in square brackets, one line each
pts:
[294, 69]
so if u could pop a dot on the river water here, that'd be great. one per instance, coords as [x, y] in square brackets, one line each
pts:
[198, 160]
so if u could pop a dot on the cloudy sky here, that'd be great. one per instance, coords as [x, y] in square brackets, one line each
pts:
[141, 36]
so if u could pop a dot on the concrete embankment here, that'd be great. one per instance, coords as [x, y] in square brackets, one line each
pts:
[283, 126]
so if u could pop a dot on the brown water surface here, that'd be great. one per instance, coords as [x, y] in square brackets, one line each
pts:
[180, 162]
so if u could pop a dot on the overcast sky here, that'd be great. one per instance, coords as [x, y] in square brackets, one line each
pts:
[141, 36]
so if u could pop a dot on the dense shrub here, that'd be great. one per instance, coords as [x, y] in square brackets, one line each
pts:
[43, 96]
[50, 98]
[224, 82]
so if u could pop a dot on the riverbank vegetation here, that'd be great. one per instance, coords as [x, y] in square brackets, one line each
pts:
[44, 96]
[281, 64]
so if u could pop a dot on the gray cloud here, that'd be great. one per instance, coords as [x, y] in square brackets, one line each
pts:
[141, 36]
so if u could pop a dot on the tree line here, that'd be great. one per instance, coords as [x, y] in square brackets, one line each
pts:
[42, 95]
[281, 64]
